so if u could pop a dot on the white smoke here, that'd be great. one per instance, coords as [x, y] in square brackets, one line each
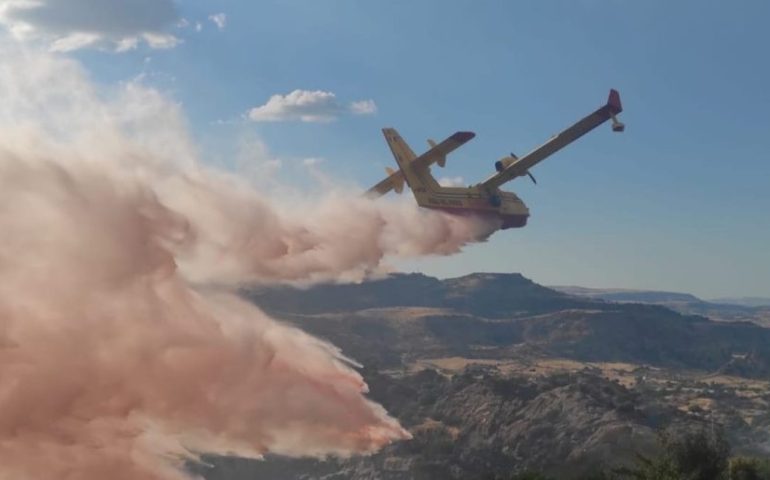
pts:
[120, 351]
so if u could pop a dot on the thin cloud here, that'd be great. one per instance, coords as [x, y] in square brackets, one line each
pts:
[363, 107]
[219, 19]
[67, 25]
[308, 106]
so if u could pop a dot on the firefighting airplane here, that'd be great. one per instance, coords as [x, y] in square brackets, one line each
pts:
[485, 198]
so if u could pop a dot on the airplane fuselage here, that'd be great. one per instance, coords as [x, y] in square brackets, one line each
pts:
[507, 207]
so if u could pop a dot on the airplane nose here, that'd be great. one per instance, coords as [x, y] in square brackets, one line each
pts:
[513, 221]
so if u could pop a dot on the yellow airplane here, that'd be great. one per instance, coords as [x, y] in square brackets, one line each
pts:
[485, 198]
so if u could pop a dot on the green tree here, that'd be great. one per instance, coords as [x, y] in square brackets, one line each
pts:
[687, 455]
[699, 455]
[743, 468]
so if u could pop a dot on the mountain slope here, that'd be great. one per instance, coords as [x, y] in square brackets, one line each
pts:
[402, 318]
[494, 374]
[478, 424]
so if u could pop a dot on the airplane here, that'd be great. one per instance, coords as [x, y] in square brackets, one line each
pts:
[485, 198]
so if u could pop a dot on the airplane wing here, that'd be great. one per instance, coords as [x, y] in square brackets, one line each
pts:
[394, 180]
[437, 153]
[557, 142]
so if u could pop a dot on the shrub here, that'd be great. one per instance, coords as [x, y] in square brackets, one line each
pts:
[742, 468]
[689, 455]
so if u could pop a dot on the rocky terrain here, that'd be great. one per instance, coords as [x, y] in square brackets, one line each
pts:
[478, 423]
[494, 374]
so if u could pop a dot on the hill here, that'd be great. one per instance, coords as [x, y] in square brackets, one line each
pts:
[756, 310]
[744, 301]
[495, 374]
[404, 318]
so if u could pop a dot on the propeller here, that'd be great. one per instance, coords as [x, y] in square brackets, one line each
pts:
[531, 177]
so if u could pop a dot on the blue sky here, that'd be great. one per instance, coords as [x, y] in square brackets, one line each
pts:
[680, 201]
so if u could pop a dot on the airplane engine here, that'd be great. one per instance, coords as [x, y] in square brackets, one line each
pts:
[504, 162]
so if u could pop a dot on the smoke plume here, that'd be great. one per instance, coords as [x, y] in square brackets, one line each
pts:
[122, 354]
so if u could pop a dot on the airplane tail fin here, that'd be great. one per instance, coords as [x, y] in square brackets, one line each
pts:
[401, 151]
[418, 178]
[613, 102]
